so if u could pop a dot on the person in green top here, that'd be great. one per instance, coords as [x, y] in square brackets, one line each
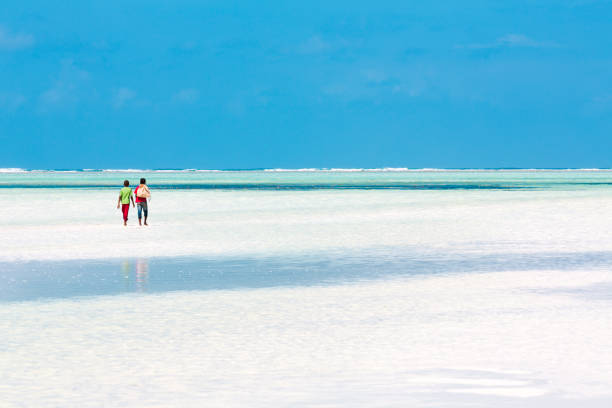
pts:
[125, 195]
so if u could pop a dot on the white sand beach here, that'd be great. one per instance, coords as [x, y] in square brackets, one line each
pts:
[446, 298]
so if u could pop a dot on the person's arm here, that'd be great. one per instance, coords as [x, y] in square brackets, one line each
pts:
[132, 198]
[119, 200]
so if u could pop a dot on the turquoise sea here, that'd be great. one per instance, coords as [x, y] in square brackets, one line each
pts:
[310, 178]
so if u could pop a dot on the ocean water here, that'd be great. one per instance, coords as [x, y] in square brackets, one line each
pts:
[385, 287]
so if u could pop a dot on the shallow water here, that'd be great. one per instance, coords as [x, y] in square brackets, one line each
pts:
[329, 291]
[37, 280]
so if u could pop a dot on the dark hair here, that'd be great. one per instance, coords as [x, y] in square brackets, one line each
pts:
[126, 183]
[143, 181]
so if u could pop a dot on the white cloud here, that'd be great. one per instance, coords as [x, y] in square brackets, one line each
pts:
[188, 95]
[123, 96]
[603, 99]
[67, 87]
[315, 45]
[518, 40]
[10, 41]
[375, 75]
[236, 106]
[599, 105]
[377, 84]
[510, 41]
[319, 45]
[11, 101]
[60, 93]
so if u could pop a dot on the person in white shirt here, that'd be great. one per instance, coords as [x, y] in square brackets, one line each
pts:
[142, 193]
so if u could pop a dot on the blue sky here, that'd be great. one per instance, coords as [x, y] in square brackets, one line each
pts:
[223, 84]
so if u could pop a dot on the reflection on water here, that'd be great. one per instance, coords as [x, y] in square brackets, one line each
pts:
[142, 275]
[135, 277]
[35, 280]
[125, 271]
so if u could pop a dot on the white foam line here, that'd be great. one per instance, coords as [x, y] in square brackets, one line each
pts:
[125, 170]
[12, 170]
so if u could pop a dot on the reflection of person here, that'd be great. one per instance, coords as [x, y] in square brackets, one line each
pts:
[142, 275]
[125, 195]
[125, 268]
[142, 193]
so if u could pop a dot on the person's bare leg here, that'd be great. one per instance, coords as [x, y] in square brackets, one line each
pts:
[140, 222]
[146, 221]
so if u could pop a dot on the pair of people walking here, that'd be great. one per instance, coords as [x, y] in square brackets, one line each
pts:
[142, 193]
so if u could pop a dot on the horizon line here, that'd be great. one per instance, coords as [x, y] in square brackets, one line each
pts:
[8, 170]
